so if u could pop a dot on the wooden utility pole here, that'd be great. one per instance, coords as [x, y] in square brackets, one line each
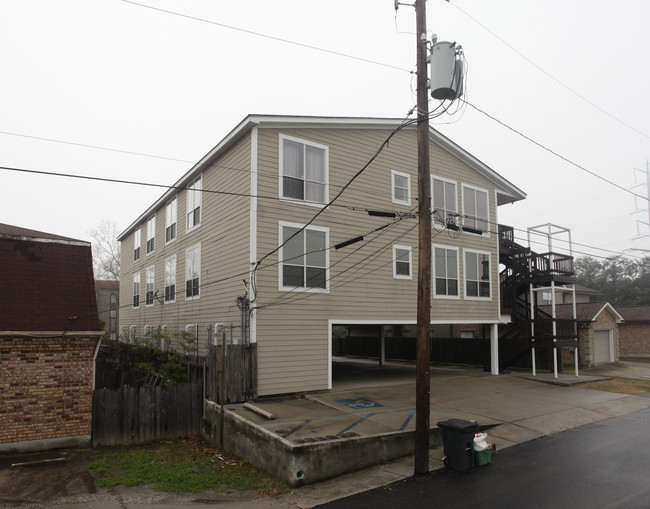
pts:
[422, 382]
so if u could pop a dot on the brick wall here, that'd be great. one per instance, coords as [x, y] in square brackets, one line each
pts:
[45, 387]
[634, 339]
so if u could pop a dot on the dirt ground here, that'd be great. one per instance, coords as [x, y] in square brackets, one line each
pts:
[63, 477]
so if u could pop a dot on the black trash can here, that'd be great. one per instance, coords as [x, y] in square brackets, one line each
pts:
[458, 443]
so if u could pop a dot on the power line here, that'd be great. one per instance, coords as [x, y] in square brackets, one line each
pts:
[266, 36]
[96, 147]
[591, 103]
[556, 154]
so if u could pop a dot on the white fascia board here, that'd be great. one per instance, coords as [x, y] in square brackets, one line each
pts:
[410, 322]
[234, 135]
[616, 314]
[506, 190]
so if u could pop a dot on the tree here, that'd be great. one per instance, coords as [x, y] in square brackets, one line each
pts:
[621, 281]
[106, 250]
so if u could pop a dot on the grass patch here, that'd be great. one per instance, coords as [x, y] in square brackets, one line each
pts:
[630, 386]
[636, 359]
[185, 466]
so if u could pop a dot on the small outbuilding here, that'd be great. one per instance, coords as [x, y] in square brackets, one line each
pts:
[598, 330]
[49, 335]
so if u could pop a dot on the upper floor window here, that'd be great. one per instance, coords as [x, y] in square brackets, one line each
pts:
[137, 241]
[445, 272]
[170, 279]
[477, 275]
[401, 187]
[443, 195]
[303, 171]
[193, 272]
[402, 262]
[151, 234]
[475, 209]
[304, 258]
[136, 290]
[194, 196]
[149, 290]
[171, 212]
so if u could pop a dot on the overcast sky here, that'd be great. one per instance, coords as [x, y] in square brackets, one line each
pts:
[572, 75]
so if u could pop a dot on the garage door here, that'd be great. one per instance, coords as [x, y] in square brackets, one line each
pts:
[602, 346]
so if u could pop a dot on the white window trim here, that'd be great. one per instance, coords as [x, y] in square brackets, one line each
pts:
[146, 278]
[455, 210]
[410, 251]
[283, 137]
[484, 299]
[172, 301]
[433, 272]
[174, 219]
[187, 204]
[487, 196]
[194, 297]
[393, 174]
[151, 227]
[282, 288]
[137, 244]
[136, 276]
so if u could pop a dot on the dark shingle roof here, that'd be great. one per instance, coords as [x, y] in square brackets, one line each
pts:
[634, 313]
[585, 311]
[8, 230]
[47, 282]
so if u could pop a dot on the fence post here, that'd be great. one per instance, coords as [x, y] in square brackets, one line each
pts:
[221, 389]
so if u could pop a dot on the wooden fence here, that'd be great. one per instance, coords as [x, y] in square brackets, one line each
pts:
[139, 415]
[239, 375]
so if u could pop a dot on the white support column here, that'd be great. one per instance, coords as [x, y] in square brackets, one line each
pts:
[494, 348]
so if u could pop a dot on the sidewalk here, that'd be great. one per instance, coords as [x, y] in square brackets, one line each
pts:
[517, 409]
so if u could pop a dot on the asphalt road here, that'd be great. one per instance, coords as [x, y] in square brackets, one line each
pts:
[600, 465]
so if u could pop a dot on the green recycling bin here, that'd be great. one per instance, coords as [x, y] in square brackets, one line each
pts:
[458, 443]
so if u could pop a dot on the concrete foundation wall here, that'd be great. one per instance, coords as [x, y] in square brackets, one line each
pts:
[300, 464]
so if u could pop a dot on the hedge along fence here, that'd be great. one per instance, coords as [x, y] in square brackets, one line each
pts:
[146, 414]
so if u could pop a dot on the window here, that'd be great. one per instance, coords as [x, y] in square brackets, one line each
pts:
[402, 262]
[445, 270]
[151, 234]
[149, 295]
[304, 259]
[193, 272]
[475, 209]
[170, 279]
[477, 275]
[171, 213]
[137, 240]
[303, 171]
[194, 197]
[467, 334]
[443, 194]
[136, 290]
[401, 188]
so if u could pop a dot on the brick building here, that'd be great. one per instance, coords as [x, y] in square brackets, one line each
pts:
[635, 331]
[49, 333]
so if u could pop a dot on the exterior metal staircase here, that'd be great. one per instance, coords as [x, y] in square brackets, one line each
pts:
[524, 275]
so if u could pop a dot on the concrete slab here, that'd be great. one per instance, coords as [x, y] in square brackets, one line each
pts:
[350, 427]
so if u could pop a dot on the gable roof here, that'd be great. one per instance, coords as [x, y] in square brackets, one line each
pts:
[506, 191]
[48, 282]
[634, 313]
[585, 311]
[16, 232]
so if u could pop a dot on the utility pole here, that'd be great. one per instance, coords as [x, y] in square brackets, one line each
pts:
[422, 382]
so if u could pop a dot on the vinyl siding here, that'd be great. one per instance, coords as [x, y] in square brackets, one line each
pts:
[224, 239]
[292, 327]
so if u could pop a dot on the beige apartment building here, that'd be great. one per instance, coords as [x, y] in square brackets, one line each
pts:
[250, 219]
